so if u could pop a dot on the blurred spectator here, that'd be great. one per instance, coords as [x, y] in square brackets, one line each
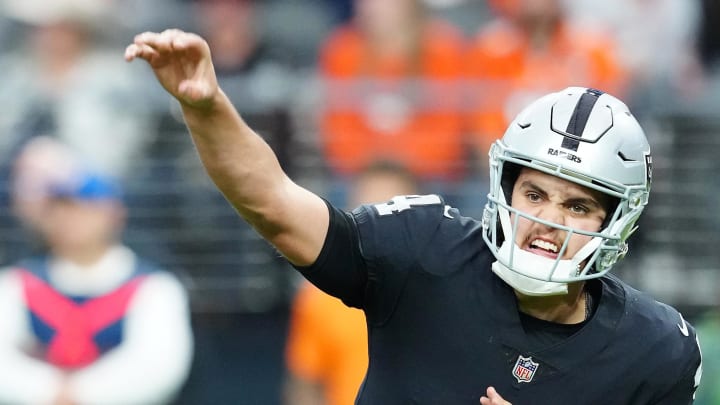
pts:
[62, 82]
[255, 75]
[528, 50]
[88, 322]
[638, 27]
[391, 78]
[327, 350]
[41, 162]
[327, 344]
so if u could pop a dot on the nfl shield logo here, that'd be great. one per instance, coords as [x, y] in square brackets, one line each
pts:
[524, 369]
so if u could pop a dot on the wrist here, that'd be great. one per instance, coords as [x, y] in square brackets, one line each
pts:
[206, 109]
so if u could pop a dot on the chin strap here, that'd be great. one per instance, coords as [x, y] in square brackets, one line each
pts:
[527, 285]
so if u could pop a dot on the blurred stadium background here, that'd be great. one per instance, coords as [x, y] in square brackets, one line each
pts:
[240, 288]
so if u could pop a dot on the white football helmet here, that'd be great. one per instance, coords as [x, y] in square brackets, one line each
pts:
[584, 136]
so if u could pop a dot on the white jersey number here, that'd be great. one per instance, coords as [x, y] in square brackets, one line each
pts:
[405, 202]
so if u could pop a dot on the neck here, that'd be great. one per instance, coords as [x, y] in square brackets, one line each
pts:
[567, 309]
[85, 256]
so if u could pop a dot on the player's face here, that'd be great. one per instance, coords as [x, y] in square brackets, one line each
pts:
[559, 201]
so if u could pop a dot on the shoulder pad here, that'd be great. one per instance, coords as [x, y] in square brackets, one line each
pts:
[403, 227]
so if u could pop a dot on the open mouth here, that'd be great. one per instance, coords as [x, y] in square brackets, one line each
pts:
[544, 248]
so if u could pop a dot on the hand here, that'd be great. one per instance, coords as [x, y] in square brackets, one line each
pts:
[181, 62]
[493, 398]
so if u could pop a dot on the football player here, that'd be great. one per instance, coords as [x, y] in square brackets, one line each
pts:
[515, 307]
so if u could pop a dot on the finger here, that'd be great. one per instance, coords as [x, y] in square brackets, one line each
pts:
[177, 40]
[191, 43]
[131, 52]
[159, 41]
[143, 51]
[171, 40]
[494, 397]
[146, 37]
[163, 42]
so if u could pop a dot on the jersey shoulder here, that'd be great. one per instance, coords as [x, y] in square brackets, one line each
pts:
[417, 228]
[662, 342]
[659, 323]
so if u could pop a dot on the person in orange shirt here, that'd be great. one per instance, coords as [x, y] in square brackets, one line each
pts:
[326, 350]
[390, 77]
[525, 52]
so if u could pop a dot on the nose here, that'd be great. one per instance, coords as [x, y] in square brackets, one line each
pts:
[552, 213]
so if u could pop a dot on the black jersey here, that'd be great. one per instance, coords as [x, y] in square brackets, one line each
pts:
[443, 327]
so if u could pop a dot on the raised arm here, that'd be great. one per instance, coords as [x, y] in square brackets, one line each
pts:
[239, 161]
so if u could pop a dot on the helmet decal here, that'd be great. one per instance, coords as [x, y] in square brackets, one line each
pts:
[579, 118]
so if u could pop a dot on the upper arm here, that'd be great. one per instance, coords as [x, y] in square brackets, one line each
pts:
[298, 226]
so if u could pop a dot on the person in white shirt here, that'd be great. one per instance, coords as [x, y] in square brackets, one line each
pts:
[90, 322]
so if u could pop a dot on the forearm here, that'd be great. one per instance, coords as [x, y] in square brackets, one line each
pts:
[247, 172]
[25, 380]
[238, 161]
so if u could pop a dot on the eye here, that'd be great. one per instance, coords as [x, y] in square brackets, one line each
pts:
[533, 197]
[579, 209]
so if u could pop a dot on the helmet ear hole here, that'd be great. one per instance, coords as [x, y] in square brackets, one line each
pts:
[500, 233]
[510, 174]
[611, 204]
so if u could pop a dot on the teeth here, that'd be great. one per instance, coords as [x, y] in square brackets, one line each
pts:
[545, 245]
